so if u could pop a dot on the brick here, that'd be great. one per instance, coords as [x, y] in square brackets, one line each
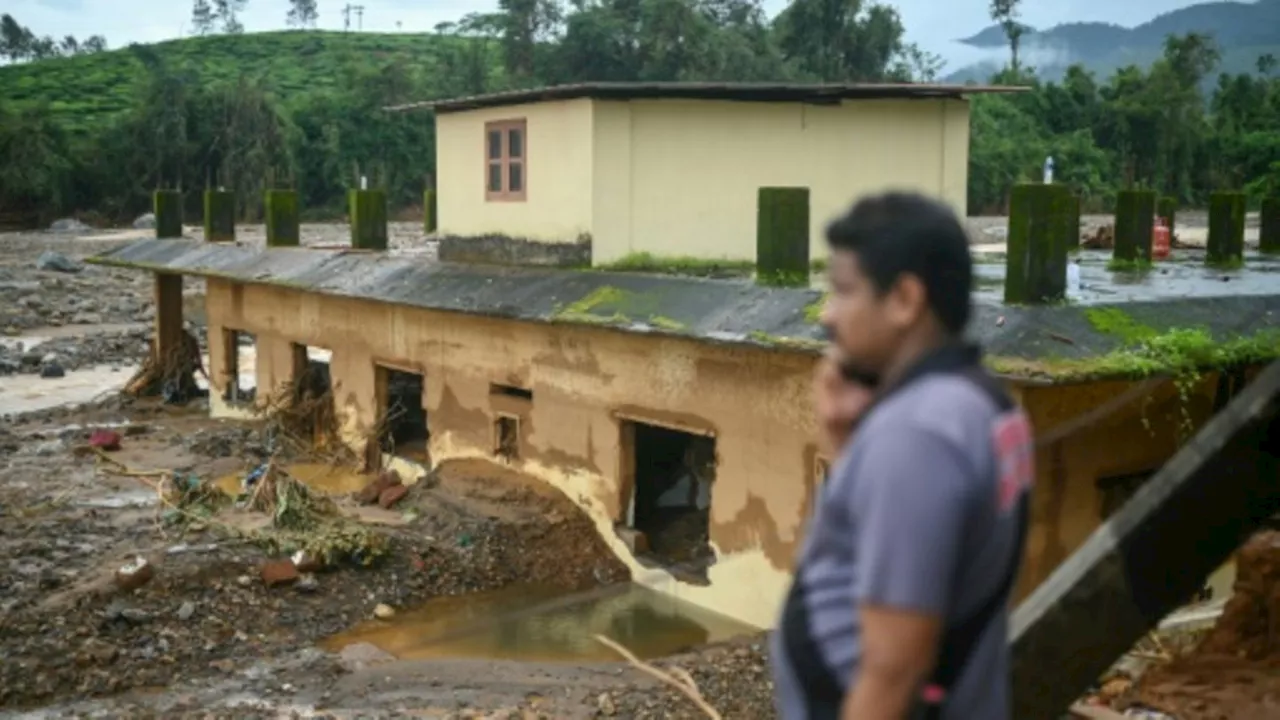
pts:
[392, 495]
[373, 491]
[279, 572]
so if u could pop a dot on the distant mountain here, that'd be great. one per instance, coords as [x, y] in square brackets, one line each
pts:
[1243, 31]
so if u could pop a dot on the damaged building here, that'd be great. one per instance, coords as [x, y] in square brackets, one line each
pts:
[676, 411]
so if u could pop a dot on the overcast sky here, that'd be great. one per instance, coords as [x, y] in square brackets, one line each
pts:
[932, 23]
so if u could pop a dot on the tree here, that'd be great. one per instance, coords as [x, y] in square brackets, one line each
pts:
[15, 40]
[202, 17]
[1006, 13]
[1266, 64]
[93, 44]
[302, 13]
[70, 46]
[839, 40]
[228, 13]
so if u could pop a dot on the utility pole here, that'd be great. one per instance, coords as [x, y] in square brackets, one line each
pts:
[346, 18]
[359, 17]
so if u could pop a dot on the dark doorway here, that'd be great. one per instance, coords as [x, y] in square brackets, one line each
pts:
[240, 359]
[674, 476]
[404, 424]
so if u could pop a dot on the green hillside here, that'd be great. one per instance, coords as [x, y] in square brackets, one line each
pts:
[84, 90]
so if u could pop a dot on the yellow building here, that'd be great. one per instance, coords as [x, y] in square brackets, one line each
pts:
[602, 383]
[593, 173]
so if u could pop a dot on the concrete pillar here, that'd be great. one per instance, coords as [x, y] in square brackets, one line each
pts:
[1040, 218]
[219, 216]
[167, 206]
[168, 331]
[283, 225]
[782, 236]
[368, 209]
[1135, 219]
[1226, 229]
[1269, 232]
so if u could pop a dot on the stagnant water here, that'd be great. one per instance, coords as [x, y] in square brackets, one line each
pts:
[542, 624]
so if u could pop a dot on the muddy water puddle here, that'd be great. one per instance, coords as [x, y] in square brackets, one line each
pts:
[543, 624]
[322, 477]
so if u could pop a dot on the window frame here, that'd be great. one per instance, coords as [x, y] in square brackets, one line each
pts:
[505, 161]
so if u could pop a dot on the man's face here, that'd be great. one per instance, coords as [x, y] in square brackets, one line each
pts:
[865, 326]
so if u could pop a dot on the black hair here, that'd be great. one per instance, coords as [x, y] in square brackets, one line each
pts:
[900, 233]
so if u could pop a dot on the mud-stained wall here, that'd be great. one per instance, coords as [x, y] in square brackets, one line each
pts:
[1139, 436]
[587, 381]
[584, 380]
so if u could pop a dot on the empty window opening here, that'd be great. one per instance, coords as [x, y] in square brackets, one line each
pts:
[404, 423]
[506, 437]
[241, 365]
[314, 407]
[510, 391]
[674, 474]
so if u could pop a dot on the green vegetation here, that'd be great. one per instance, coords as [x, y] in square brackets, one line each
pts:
[666, 323]
[644, 262]
[1129, 266]
[813, 311]
[97, 133]
[430, 216]
[610, 305]
[1041, 229]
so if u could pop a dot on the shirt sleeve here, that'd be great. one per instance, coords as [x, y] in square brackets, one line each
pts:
[914, 495]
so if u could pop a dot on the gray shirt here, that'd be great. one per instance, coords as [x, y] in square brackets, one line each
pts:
[918, 514]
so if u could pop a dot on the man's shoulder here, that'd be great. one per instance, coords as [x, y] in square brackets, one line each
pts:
[948, 404]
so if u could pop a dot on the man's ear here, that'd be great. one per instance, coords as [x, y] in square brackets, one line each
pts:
[907, 301]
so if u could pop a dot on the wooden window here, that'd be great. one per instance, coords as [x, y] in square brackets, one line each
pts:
[505, 161]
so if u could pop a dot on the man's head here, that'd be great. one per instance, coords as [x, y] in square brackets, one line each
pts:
[900, 274]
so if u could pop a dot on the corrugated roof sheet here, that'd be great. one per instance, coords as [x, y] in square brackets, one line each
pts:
[736, 91]
[723, 311]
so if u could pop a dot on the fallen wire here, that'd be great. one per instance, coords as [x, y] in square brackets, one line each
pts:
[678, 678]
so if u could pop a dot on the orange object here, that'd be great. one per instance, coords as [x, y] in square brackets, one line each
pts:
[1160, 243]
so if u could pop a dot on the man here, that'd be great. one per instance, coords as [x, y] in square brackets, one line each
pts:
[899, 607]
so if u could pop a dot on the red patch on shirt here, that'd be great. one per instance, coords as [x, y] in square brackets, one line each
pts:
[1015, 457]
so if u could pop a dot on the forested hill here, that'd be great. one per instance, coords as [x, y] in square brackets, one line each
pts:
[1242, 30]
[84, 91]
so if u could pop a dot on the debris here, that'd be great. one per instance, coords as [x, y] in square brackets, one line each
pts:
[52, 370]
[108, 440]
[372, 492]
[68, 225]
[606, 705]
[134, 575]
[392, 495]
[187, 609]
[307, 583]
[305, 562]
[384, 611]
[1102, 238]
[279, 572]
[359, 656]
[57, 262]
[244, 581]
[146, 221]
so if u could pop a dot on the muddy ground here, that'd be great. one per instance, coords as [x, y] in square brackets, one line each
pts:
[205, 636]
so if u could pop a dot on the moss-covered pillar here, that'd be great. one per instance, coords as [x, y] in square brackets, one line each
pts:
[282, 218]
[1167, 208]
[368, 209]
[1135, 219]
[429, 219]
[1269, 231]
[782, 236]
[1226, 228]
[167, 207]
[1040, 218]
[219, 216]
[1073, 242]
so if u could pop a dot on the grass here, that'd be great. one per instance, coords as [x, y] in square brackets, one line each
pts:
[85, 90]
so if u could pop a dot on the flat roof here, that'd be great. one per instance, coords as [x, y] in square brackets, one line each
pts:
[1041, 344]
[812, 93]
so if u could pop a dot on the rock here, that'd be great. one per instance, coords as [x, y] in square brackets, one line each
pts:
[134, 575]
[279, 572]
[57, 262]
[307, 583]
[68, 225]
[384, 611]
[96, 652]
[105, 439]
[146, 221]
[86, 318]
[186, 611]
[373, 491]
[606, 706]
[305, 562]
[392, 495]
[52, 370]
[357, 657]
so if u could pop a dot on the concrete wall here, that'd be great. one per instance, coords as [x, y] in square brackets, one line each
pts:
[557, 207]
[586, 381]
[679, 177]
[583, 379]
